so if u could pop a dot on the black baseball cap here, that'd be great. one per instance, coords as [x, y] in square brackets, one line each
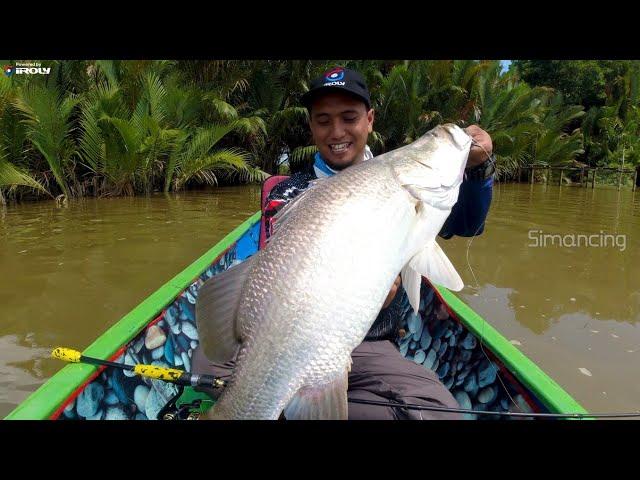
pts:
[338, 79]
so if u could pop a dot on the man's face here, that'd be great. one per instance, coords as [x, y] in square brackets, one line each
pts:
[340, 125]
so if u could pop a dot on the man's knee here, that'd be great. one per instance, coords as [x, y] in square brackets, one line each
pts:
[380, 369]
[363, 411]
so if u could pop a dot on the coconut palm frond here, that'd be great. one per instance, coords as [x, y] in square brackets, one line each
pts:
[91, 141]
[155, 94]
[47, 117]
[109, 70]
[223, 112]
[11, 176]
[204, 167]
[302, 156]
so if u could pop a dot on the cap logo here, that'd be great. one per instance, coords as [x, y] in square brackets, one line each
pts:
[334, 75]
[8, 70]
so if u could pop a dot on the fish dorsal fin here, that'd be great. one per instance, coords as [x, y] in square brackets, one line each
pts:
[217, 309]
[430, 262]
[324, 402]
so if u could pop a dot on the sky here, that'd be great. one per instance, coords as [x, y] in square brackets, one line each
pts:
[505, 64]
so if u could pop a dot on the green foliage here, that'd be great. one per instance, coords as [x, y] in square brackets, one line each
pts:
[584, 82]
[12, 176]
[196, 158]
[120, 127]
[47, 115]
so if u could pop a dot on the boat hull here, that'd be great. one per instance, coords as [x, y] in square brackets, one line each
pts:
[480, 367]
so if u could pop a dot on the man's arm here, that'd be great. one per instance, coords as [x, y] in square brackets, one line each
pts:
[470, 211]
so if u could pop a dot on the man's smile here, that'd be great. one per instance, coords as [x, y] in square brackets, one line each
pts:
[340, 147]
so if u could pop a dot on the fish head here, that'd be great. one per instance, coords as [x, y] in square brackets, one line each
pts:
[447, 153]
[432, 168]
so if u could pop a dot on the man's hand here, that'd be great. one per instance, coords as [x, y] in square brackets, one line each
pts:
[477, 155]
[392, 292]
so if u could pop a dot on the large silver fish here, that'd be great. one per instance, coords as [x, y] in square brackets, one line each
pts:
[299, 307]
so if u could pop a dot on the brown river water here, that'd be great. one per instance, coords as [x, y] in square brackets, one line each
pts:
[556, 272]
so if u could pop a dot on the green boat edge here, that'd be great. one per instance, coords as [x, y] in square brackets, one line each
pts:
[48, 398]
[42, 403]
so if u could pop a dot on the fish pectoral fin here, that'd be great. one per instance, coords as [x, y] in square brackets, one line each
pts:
[216, 312]
[324, 402]
[411, 283]
[432, 263]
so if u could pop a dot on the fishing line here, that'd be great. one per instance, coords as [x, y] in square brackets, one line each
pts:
[480, 226]
[504, 387]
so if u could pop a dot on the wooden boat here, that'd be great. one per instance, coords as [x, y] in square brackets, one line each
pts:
[483, 370]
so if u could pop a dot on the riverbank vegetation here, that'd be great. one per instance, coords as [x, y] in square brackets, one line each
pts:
[109, 127]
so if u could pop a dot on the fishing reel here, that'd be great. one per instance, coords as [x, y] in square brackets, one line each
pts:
[183, 413]
[187, 404]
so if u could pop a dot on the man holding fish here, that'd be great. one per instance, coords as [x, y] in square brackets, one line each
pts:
[309, 322]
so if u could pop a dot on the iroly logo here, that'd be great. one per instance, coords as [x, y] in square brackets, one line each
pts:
[334, 76]
[26, 69]
[33, 71]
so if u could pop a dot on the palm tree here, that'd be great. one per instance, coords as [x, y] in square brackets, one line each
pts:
[416, 96]
[401, 106]
[46, 113]
[274, 96]
[13, 168]
[195, 157]
[123, 147]
[159, 142]
[512, 112]
[12, 176]
[554, 146]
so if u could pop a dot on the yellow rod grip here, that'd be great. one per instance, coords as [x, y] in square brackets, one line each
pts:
[160, 373]
[66, 354]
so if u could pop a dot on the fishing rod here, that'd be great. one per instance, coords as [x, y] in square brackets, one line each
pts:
[173, 375]
[488, 412]
[183, 378]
